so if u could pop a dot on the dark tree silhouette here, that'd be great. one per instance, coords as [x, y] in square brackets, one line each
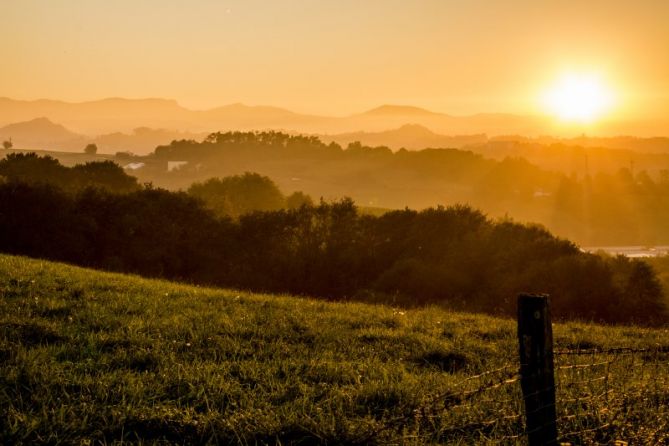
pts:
[34, 169]
[298, 199]
[452, 256]
[91, 149]
[240, 194]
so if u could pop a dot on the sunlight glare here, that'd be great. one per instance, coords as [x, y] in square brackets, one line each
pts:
[578, 98]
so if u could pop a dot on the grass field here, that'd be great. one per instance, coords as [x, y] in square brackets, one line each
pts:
[90, 357]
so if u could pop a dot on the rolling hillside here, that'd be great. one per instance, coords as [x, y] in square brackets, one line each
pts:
[98, 357]
[40, 132]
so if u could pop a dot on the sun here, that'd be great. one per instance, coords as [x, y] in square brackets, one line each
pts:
[578, 97]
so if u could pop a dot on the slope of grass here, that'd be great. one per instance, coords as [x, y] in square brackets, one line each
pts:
[97, 357]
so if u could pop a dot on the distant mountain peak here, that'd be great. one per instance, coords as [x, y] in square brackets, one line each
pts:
[41, 120]
[36, 124]
[242, 106]
[121, 100]
[38, 129]
[415, 129]
[399, 110]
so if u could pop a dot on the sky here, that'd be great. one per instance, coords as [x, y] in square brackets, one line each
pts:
[336, 56]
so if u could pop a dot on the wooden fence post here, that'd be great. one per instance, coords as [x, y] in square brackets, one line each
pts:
[535, 337]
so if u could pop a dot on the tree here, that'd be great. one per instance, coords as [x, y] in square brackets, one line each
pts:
[298, 199]
[91, 149]
[103, 174]
[32, 168]
[238, 195]
[8, 144]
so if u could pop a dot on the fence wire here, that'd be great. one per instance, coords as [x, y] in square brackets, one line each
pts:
[603, 397]
[481, 409]
[620, 394]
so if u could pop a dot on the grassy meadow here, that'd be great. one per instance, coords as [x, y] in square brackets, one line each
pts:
[90, 357]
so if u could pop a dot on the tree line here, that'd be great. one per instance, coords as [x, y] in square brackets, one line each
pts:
[578, 205]
[31, 168]
[453, 256]
[231, 196]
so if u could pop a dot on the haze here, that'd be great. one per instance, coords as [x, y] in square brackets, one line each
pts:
[336, 57]
[347, 204]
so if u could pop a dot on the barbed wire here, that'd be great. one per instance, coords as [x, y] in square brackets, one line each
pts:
[616, 350]
[443, 402]
[601, 395]
[612, 399]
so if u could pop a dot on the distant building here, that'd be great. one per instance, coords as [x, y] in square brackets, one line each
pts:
[539, 193]
[172, 165]
[134, 166]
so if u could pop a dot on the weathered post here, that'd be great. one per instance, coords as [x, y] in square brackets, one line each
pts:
[535, 337]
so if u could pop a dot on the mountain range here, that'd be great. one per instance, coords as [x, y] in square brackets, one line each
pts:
[122, 115]
[139, 125]
[43, 134]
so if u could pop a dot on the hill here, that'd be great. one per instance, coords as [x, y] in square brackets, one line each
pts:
[454, 256]
[569, 189]
[402, 110]
[100, 116]
[43, 134]
[575, 191]
[40, 132]
[89, 356]
[408, 136]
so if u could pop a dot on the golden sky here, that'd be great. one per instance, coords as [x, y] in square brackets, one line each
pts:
[335, 56]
